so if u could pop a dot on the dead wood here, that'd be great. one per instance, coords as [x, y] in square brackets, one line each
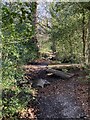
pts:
[58, 73]
[38, 70]
[57, 66]
[65, 66]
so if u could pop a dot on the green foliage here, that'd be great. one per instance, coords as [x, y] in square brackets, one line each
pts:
[87, 71]
[14, 100]
[66, 28]
[18, 47]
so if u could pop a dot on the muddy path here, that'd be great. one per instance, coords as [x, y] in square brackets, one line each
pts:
[62, 98]
[58, 100]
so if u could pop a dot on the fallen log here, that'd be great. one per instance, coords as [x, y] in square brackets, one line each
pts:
[58, 66]
[65, 66]
[59, 73]
[52, 69]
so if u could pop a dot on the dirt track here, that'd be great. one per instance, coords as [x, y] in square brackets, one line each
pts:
[59, 100]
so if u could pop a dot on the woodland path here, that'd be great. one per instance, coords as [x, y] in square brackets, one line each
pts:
[58, 101]
[60, 98]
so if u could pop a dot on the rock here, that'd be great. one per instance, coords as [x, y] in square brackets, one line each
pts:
[42, 82]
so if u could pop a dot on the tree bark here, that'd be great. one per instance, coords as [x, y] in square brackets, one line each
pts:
[83, 34]
[65, 66]
[34, 15]
[87, 50]
[58, 66]
[89, 39]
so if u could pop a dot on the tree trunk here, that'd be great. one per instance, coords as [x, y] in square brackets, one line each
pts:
[56, 66]
[87, 47]
[34, 13]
[87, 42]
[89, 39]
[53, 46]
[65, 66]
[83, 34]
